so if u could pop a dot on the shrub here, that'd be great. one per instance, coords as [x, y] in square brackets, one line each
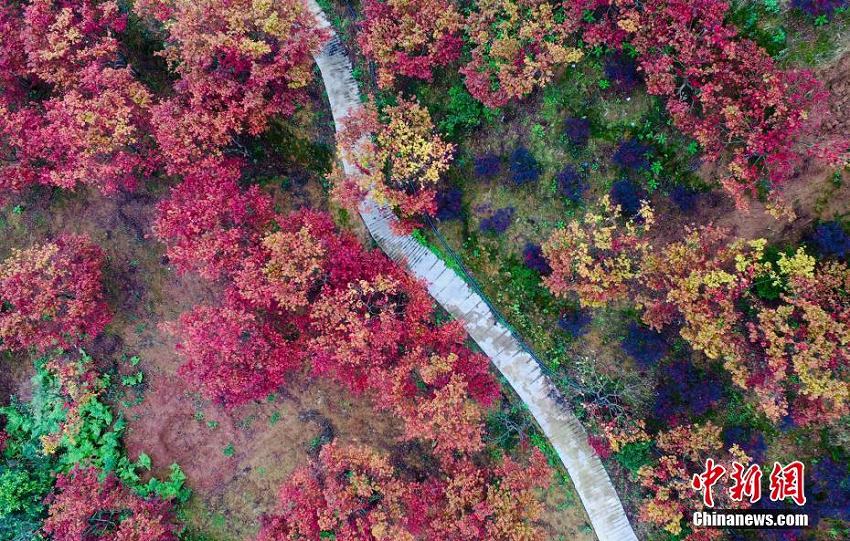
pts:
[816, 8]
[644, 345]
[516, 47]
[83, 508]
[628, 195]
[684, 392]
[463, 112]
[533, 257]
[577, 130]
[621, 70]
[498, 222]
[487, 166]
[571, 184]
[749, 440]
[575, 322]
[524, 167]
[449, 204]
[632, 155]
[51, 295]
[633, 456]
[684, 198]
[830, 490]
[830, 239]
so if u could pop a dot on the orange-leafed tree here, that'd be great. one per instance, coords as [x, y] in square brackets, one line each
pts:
[399, 161]
[239, 63]
[349, 493]
[517, 46]
[597, 257]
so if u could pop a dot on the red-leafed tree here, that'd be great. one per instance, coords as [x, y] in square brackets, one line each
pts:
[359, 328]
[721, 89]
[239, 63]
[208, 223]
[61, 38]
[83, 508]
[410, 37]
[51, 295]
[87, 122]
[354, 494]
[13, 60]
[498, 502]
[233, 355]
[349, 493]
[684, 451]
[95, 134]
[439, 388]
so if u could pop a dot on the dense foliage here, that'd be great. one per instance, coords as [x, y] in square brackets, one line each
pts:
[778, 325]
[410, 37]
[239, 63]
[207, 221]
[721, 89]
[69, 114]
[354, 493]
[517, 45]
[233, 355]
[84, 508]
[63, 464]
[52, 295]
[398, 162]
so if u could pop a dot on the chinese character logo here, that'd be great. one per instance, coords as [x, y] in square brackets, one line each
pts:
[707, 479]
[787, 482]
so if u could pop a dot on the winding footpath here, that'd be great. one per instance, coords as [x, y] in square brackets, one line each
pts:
[544, 401]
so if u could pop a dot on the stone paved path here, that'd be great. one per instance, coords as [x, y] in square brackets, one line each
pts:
[544, 401]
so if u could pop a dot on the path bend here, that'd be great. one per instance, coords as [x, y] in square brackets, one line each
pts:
[565, 432]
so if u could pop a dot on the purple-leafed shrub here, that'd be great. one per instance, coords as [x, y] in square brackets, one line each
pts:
[684, 198]
[830, 239]
[622, 71]
[534, 260]
[683, 392]
[575, 322]
[487, 166]
[571, 184]
[828, 489]
[750, 441]
[816, 8]
[628, 195]
[449, 204]
[632, 155]
[577, 130]
[498, 222]
[524, 167]
[644, 345]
